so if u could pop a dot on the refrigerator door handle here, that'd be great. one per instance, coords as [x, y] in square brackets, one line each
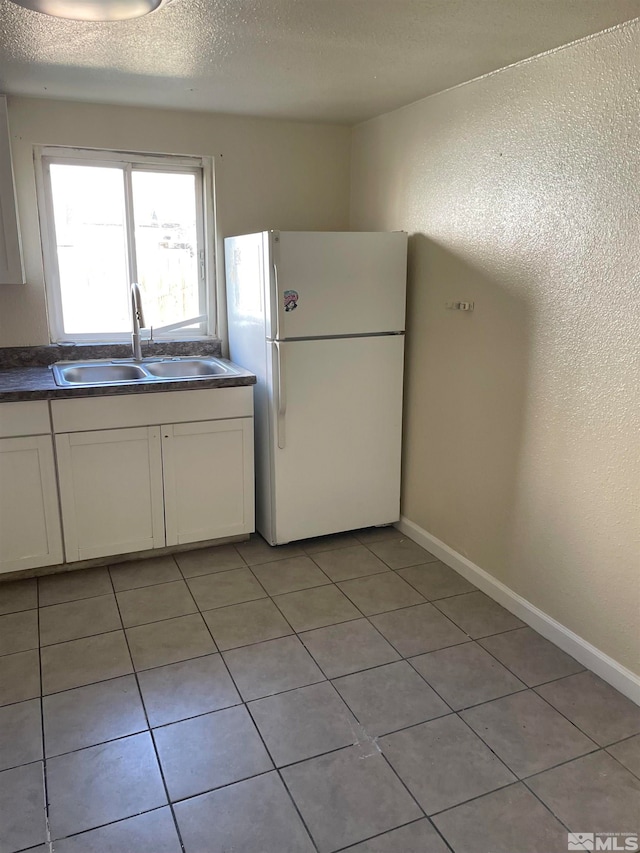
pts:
[276, 302]
[276, 291]
[282, 394]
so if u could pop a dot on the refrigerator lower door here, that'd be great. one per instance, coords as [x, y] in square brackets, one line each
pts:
[336, 425]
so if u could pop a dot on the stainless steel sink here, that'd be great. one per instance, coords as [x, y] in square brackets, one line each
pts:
[93, 374]
[106, 372]
[186, 368]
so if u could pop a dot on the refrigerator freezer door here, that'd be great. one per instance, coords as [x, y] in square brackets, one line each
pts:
[248, 290]
[331, 283]
[336, 426]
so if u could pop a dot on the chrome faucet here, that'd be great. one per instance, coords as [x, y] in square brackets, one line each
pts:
[138, 321]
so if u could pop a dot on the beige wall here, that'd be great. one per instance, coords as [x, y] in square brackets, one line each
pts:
[269, 174]
[521, 191]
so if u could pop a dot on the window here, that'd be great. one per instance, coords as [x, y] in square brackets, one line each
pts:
[109, 219]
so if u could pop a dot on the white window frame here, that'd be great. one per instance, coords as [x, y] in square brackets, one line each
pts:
[201, 167]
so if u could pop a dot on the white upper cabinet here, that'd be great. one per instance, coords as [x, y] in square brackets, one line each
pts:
[11, 270]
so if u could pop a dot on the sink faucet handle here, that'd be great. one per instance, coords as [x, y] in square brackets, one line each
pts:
[138, 320]
[136, 304]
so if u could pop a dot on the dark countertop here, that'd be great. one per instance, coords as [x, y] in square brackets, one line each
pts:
[37, 383]
[25, 373]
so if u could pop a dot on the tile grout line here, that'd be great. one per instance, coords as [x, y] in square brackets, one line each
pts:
[622, 740]
[533, 689]
[408, 727]
[482, 636]
[99, 826]
[75, 601]
[275, 768]
[302, 631]
[466, 707]
[397, 650]
[409, 661]
[407, 658]
[575, 725]
[495, 791]
[523, 779]
[267, 594]
[513, 672]
[456, 714]
[278, 769]
[146, 716]
[217, 650]
[453, 712]
[568, 761]
[70, 574]
[560, 764]
[546, 806]
[388, 831]
[48, 840]
[518, 779]
[374, 739]
[406, 787]
[108, 566]
[270, 594]
[304, 556]
[246, 601]
[615, 758]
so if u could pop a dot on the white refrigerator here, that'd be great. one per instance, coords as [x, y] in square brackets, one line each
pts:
[319, 317]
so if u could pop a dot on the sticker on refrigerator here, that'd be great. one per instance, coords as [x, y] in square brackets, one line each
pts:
[290, 300]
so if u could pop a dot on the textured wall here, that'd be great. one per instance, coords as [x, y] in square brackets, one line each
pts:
[521, 191]
[269, 174]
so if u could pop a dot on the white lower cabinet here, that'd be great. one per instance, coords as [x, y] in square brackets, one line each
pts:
[142, 487]
[29, 514]
[134, 473]
[208, 479]
[110, 491]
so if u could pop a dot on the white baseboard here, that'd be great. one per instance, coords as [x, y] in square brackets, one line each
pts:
[588, 655]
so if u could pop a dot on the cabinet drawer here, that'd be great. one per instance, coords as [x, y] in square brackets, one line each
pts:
[83, 414]
[24, 419]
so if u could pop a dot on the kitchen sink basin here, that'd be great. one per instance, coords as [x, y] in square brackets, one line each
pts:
[93, 374]
[105, 372]
[186, 368]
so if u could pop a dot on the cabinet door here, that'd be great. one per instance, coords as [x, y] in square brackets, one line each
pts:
[29, 512]
[110, 491]
[208, 479]
[11, 271]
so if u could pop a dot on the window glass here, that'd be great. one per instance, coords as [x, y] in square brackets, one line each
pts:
[116, 219]
[88, 208]
[168, 262]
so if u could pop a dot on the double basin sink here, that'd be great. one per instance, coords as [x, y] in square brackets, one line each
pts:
[126, 371]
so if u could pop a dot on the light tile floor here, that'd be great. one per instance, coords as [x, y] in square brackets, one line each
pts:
[350, 692]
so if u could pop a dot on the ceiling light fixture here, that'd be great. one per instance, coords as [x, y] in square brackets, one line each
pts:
[93, 10]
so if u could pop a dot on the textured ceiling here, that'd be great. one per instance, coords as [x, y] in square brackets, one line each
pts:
[330, 60]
